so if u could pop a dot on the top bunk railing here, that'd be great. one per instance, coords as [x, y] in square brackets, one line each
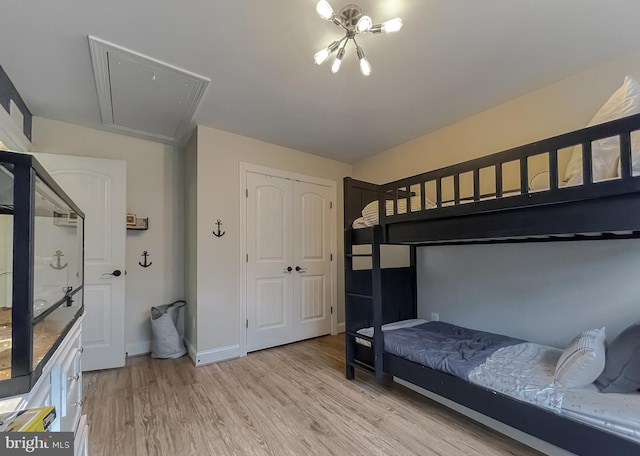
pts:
[513, 190]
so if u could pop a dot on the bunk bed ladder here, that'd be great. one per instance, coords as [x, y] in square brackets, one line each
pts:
[373, 297]
[376, 293]
[350, 342]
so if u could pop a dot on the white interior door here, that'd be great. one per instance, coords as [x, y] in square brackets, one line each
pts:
[288, 279]
[312, 250]
[98, 187]
[270, 255]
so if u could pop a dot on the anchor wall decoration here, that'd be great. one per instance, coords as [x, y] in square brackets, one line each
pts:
[58, 266]
[219, 233]
[145, 254]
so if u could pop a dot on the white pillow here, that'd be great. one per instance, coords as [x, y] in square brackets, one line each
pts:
[583, 360]
[539, 181]
[624, 102]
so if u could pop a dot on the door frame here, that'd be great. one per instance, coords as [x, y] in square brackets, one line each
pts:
[333, 221]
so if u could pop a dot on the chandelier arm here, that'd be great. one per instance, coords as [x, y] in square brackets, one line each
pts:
[355, 43]
[346, 38]
[339, 23]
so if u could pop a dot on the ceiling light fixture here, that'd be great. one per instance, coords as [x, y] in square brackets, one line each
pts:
[351, 19]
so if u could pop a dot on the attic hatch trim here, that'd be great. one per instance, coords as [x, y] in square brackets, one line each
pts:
[100, 50]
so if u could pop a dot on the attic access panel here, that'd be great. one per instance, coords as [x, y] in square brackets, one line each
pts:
[143, 96]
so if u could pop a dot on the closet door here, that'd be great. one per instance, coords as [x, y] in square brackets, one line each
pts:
[288, 288]
[269, 290]
[312, 270]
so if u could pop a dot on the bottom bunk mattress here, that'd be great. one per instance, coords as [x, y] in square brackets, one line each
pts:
[518, 369]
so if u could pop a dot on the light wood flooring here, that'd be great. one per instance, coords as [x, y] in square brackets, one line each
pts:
[290, 400]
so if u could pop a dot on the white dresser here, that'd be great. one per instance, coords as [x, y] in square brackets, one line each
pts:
[60, 385]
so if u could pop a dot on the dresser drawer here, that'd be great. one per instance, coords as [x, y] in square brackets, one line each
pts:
[69, 376]
[73, 409]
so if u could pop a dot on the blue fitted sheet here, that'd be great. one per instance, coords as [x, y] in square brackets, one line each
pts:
[445, 347]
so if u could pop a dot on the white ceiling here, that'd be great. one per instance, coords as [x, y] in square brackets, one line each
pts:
[453, 58]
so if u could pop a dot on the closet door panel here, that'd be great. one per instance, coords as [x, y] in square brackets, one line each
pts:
[270, 253]
[312, 281]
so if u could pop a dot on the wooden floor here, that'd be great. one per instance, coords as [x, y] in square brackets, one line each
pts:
[291, 400]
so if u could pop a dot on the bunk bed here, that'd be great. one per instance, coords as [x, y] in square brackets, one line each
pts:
[422, 211]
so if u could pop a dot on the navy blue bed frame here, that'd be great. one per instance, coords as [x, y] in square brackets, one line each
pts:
[373, 297]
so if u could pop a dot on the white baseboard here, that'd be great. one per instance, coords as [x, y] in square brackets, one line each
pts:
[340, 327]
[138, 348]
[516, 434]
[217, 354]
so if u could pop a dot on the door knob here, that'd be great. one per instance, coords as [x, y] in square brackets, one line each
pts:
[288, 269]
[299, 269]
[116, 273]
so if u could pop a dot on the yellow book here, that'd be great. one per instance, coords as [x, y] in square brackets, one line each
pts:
[37, 419]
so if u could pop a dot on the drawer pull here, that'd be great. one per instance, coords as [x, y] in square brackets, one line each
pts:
[77, 404]
[75, 378]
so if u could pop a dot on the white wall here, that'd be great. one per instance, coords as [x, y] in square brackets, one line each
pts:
[219, 155]
[155, 190]
[544, 292]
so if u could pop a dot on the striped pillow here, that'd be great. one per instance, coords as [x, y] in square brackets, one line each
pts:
[583, 359]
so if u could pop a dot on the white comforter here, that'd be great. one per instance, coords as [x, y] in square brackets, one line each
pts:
[525, 372]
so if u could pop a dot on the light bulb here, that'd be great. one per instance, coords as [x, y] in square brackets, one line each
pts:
[336, 65]
[365, 66]
[392, 25]
[364, 24]
[338, 61]
[321, 56]
[324, 10]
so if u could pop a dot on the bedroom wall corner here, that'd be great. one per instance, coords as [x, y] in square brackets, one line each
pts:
[191, 244]
[219, 155]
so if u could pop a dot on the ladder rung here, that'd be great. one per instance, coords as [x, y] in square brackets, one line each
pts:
[358, 295]
[362, 365]
[361, 336]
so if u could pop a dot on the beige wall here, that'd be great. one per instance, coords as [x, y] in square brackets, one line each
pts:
[219, 155]
[543, 292]
[154, 190]
[558, 108]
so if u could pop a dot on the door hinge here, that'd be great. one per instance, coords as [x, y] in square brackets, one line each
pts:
[247, 323]
[331, 257]
[247, 257]
[330, 204]
[246, 193]
[332, 309]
